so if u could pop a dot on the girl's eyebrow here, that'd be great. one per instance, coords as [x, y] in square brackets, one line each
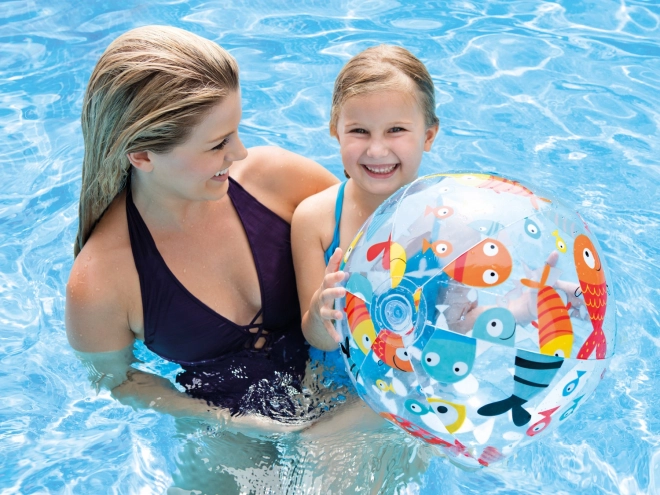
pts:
[388, 124]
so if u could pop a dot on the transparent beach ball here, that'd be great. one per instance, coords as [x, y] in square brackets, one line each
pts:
[477, 315]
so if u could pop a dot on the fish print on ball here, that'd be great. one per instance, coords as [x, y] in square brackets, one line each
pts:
[478, 312]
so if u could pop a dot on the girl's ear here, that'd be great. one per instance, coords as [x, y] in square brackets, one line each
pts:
[141, 160]
[431, 133]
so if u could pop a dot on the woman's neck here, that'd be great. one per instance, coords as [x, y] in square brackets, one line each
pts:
[166, 210]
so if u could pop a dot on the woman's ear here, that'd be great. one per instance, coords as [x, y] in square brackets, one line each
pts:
[141, 160]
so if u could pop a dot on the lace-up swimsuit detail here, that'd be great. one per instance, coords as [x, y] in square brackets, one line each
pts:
[225, 363]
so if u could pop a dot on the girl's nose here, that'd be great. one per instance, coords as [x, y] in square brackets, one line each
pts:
[377, 149]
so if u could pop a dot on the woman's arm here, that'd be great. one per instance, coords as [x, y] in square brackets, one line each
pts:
[98, 329]
[114, 371]
[317, 289]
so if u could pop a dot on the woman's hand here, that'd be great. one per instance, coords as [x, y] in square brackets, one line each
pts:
[322, 308]
[256, 426]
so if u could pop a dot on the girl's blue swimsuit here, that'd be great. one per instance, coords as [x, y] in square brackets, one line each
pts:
[335, 238]
[333, 359]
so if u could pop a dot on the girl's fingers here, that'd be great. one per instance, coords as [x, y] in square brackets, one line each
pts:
[552, 258]
[328, 313]
[332, 332]
[331, 279]
[335, 260]
[327, 296]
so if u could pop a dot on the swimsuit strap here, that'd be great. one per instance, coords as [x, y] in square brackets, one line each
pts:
[335, 238]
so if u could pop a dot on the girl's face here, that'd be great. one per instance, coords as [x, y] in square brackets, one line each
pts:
[198, 168]
[382, 137]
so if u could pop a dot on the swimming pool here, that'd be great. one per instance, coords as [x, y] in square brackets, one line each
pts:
[563, 95]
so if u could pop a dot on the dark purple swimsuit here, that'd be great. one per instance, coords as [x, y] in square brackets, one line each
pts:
[220, 362]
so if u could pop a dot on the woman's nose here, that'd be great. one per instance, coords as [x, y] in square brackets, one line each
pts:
[237, 152]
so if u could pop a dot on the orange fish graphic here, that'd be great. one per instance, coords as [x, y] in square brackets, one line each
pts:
[554, 322]
[439, 248]
[440, 212]
[359, 321]
[500, 184]
[390, 349]
[485, 265]
[594, 288]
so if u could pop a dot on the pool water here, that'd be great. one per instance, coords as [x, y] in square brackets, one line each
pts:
[564, 95]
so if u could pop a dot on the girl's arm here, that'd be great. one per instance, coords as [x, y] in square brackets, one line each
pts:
[312, 222]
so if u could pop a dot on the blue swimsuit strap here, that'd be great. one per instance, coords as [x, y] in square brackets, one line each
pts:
[335, 238]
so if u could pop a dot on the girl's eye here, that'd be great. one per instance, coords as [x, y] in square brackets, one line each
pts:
[358, 131]
[397, 129]
[221, 145]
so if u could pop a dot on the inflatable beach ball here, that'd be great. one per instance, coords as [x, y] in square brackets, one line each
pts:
[477, 315]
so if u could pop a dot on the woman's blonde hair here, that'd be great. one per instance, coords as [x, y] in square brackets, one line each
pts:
[380, 68]
[150, 87]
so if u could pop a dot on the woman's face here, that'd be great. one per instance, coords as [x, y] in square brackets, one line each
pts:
[198, 168]
[382, 137]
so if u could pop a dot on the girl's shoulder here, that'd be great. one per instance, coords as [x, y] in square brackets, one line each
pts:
[315, 217]
[320, 205]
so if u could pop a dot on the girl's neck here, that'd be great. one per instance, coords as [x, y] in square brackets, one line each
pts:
[364, 201]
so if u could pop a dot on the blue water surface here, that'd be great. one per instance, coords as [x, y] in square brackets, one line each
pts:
[564, 95]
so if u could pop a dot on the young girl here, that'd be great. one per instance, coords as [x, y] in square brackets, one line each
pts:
[383, 115]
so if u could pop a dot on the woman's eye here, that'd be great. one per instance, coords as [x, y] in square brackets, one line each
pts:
[221, 145]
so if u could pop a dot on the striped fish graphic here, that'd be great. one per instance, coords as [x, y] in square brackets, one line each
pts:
[533, 373]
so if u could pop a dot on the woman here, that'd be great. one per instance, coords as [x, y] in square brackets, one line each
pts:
[184, 242]
[184, 237]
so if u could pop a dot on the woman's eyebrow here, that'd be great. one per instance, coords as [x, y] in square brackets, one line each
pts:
[221, 137]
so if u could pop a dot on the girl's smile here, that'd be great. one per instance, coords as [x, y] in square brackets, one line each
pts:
[382, 137]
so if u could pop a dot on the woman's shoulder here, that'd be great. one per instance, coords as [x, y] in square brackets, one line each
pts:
[281, 179]
[101, 284]
[103, 259]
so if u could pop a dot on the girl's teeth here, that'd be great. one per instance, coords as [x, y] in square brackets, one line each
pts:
[380, 170]
[222, 172]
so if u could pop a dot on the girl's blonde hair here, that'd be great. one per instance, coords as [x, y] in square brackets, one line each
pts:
[380, 68]
[150, 87]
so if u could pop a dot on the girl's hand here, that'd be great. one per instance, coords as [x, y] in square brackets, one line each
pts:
[324, 298]
[524, 308]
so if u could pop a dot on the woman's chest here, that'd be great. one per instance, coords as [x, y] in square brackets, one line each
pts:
[216, 265]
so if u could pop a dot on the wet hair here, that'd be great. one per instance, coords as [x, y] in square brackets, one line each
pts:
[149, 89]
[383, 68]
